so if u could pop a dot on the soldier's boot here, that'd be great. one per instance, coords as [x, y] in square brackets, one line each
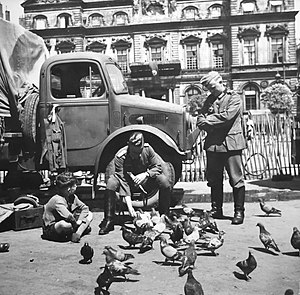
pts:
[217, 202]
[239, 209]
[164, 201]
[107, 223]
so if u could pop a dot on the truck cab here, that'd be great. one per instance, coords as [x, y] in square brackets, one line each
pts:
[88, 92]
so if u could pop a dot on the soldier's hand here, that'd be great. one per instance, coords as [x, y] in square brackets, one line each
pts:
[140, 178]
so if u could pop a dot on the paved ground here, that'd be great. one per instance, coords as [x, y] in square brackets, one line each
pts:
[36, 267]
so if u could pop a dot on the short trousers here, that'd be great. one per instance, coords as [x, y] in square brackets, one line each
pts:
[50, 234]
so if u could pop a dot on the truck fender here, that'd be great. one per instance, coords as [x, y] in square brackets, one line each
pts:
[119, 138]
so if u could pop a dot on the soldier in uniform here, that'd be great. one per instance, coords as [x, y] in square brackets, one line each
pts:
[135, 165]
[221, 118]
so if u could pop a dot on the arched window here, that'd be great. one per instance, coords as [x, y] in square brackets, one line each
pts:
[96, 20]
[120, 18]
[190, 13]
[64, 20]
[248, 6]
[251, 95]
[40, 22]
[215, 11]
[192, 92]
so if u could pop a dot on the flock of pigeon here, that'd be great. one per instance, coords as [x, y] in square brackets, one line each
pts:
[181, 235]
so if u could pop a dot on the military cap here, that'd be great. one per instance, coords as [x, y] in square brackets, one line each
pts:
[206, 79]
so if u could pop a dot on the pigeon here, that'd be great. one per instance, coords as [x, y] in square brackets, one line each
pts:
[248, 265]
[267, 208]
[4, 247]
[188, 260]
[191, 254]
[118, 268]
[266, 238]
[130, 237]
[170, 253]
[150, 235]
[117, 254]
[213, 243]
[192, 286]
[87, 252]
[176, 234]
[289, 292]
[295, 239]
[155, 216]
[142, 218]
[187, 226]
[188, 210]
[194, 235]
[207, 223]
[105, 279]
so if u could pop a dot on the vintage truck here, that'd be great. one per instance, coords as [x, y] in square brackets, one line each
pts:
[82, 114]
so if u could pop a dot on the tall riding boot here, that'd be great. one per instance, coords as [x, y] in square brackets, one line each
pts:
[164, 201]
[239, 201]
[217, 202]
[107, 223]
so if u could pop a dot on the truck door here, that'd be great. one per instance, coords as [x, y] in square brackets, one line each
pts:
[79, 91]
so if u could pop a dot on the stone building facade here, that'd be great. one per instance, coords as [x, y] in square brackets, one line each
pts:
[164, 47]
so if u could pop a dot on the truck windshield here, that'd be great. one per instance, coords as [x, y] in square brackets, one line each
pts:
[117, 79]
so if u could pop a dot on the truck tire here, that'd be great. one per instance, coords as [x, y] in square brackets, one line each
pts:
[30, 122]
[153, 195]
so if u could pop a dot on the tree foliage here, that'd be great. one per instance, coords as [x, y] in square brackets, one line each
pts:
[278, 98]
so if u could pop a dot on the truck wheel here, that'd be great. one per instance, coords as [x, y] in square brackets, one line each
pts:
[153, 195]
[30, 122]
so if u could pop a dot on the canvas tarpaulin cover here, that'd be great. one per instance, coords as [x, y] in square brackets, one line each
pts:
[22, 54]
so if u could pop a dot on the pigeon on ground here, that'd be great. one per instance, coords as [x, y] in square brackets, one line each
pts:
[142, 218]
[130, 237]
[150, 235]
[188, 260]
[194, 235]
[105, 279]
[117, 254]
[266, 238]
[118, 268]
[267, 208]
[4, 247]
[170, 253]
[295, 239]
[191, 254]
[213, 243]
[208, 223]
[87, 252]
[192, 286]
[248, 265]
[187, 226]
[188, 210]
[155, 216]
[176, 234]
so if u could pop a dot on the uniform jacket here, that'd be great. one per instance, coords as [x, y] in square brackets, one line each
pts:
[58, 208]
[221, 118]
[148, 161]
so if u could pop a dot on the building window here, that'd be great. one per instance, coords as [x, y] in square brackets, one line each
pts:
[122, 58]
[156, 47]
[190, 12]
[156, 53]
[248, 6]
[64, 20]
[120, 18]
[249, 52]
[251, 95]
[215, 11]
[191, 57]
[218, 55]
[40, 22]
[276, 5]
[277, 49]
[96, 20]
